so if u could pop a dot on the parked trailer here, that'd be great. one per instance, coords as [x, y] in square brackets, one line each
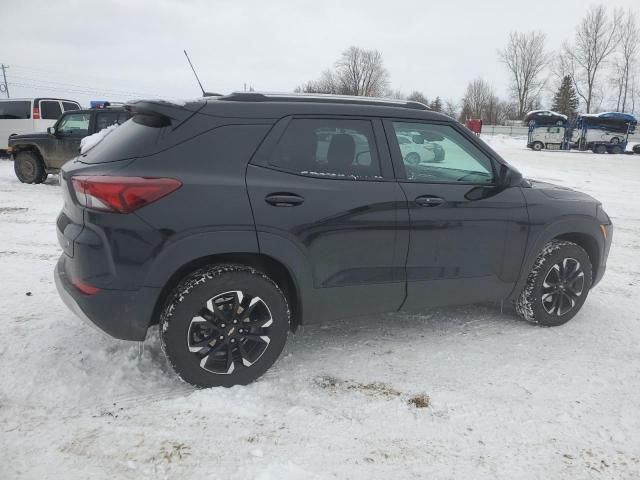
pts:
[606, 132]
[602, 133]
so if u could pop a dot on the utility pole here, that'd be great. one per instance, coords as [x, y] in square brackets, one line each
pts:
[4, 76]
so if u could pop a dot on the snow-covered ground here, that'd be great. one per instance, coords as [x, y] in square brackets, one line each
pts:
[507, 400]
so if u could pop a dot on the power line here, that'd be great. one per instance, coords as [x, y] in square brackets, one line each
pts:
[40, 87]
[53, 85]
[83, 87]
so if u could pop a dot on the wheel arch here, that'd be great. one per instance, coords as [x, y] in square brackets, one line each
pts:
[579, 229]
[276, 270]
[588, 243]
[27, 147]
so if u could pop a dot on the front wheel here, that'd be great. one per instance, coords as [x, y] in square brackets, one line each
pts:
[537, 146]
[29, 168]
[224, 325]
[557, 285]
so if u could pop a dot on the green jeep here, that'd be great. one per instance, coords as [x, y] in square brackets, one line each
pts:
[36, 155]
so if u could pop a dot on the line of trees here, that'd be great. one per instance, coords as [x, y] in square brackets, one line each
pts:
[604, 55]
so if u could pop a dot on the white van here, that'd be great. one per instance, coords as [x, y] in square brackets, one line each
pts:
[27, 115]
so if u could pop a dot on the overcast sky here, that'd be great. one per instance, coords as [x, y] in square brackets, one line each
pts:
[123, 49]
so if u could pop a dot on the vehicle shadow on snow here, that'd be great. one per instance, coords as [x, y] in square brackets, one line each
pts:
[141, 371]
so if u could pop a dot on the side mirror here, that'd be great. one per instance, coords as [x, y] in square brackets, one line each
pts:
[509, 177]
[51, 130]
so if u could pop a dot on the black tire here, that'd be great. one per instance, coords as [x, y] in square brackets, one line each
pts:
[29, 167]
[537, 146]
[636, 148]
[615, 140]
[206, 344]
[562, 271]
[615, 150]
[600, 149]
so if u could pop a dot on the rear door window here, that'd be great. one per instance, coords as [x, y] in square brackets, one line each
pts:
[15, 110]
[50, 109]
[333, 148]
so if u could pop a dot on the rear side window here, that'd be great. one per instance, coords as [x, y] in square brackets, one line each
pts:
[50, 110]
[70, 106]
[328, 147]
[104, 119]
[17, 110]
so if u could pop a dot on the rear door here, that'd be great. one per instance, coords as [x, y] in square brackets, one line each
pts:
[324, 186]
[467, 234]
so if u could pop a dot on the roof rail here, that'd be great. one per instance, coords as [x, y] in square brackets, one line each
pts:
[321, 98]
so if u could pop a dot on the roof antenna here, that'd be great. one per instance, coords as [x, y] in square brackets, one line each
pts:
[204, 94]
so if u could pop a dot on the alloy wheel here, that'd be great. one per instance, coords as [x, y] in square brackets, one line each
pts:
[562, 286]
[230, 332]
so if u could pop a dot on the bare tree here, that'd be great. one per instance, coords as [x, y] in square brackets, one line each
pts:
[626, 61]
[597, 37]
[417, 96]
[526, 59]
[357, 72]
[327, 83]
[395, 94]
[476, 99]
[362, 72]
[451, 108]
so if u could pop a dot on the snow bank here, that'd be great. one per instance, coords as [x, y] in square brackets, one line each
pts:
[87, 143]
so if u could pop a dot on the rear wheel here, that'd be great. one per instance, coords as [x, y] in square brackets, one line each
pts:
[600, 149]
[616, 149]
[224, 325]
[557, 285]
[537, 146]
[29, 167]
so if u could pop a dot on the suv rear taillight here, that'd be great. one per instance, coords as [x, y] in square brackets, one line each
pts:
[36, 113]
[121, 194]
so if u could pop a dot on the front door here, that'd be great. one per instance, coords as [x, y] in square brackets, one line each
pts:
[70, 130]
[325, 188]
[467, 235]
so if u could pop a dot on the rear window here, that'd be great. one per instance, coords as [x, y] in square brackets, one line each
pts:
[127, 141]
[50, 110]
[105, 119]
[16, 110]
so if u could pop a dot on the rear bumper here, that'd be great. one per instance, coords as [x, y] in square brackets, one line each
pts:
[122, 314]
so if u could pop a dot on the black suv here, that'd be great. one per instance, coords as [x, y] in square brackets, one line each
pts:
[230, 221]
[36, 155]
